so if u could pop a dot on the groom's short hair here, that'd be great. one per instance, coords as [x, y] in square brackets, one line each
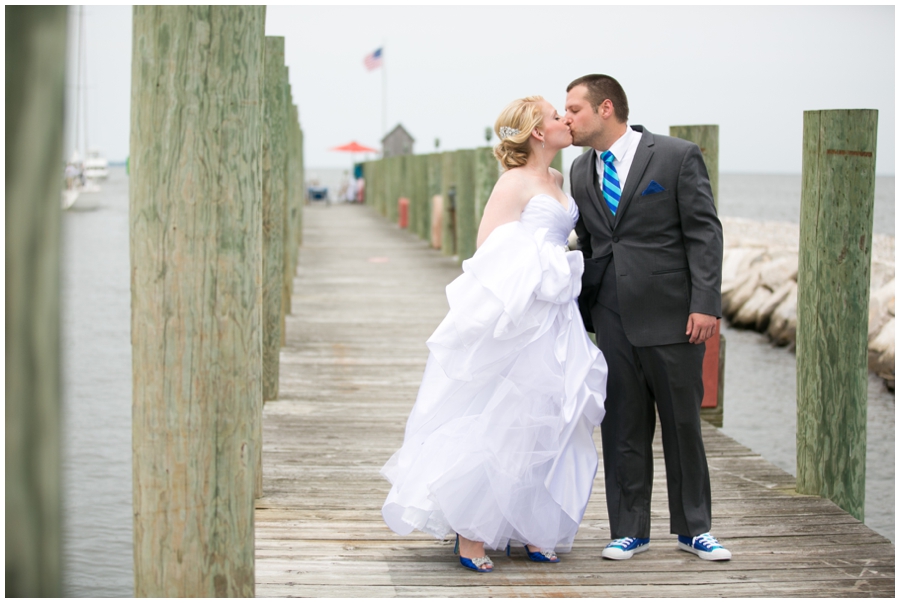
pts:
[601, 87]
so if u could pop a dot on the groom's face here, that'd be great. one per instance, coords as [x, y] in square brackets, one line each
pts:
[585, 123]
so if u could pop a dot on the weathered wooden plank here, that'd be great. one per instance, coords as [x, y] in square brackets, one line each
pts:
[196, 256]
[349, 379]
[35, 93]
[384, 573]
[580, 590]
[422, 549]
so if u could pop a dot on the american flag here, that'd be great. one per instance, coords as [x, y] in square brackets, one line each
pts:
[373, 61]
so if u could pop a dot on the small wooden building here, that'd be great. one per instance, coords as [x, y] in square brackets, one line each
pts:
[397, 142]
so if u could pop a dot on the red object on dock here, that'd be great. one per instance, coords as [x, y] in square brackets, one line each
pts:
[403, 211]
[711, 371]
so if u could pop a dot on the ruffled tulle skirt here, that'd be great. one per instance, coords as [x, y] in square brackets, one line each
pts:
[499, 446]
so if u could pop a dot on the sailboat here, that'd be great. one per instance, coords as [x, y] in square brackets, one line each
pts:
[83, 169]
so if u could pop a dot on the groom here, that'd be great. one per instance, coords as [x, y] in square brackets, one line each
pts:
[652, 293]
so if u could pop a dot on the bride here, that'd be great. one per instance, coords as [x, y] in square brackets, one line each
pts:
[498, 446]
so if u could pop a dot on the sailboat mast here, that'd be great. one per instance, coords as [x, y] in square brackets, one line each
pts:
[78, 85]
[83, 59]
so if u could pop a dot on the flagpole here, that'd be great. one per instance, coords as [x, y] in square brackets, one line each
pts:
[383, 92]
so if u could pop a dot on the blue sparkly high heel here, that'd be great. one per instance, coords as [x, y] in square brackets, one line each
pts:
[538, 556]
[473, 564]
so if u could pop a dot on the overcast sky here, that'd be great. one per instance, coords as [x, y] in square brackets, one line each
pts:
[451, 70]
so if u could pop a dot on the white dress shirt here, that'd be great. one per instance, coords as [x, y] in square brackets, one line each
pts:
[623, 150]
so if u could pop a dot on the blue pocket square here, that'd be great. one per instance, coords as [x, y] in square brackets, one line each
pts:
[653, 187]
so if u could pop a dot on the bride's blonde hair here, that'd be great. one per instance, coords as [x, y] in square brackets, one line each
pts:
[524, 115]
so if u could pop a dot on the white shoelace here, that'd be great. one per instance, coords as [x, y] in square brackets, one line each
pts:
[622, 542]
[707, 540]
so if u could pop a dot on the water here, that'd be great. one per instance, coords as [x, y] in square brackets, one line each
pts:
[760, 383]
[777, 198]
[96, 298]
[761, 413]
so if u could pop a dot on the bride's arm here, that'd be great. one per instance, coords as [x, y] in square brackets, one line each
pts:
[504, 205]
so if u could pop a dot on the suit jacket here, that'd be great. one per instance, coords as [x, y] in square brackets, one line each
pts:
[662, 252]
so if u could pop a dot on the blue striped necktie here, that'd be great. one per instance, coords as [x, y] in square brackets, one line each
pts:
[611, 189]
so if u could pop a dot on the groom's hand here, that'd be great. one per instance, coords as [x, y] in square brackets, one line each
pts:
[700, 327]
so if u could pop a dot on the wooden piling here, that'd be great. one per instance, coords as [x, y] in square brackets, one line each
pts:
[375, 186]
[395, 170]
[421, 218]
[291, 205]
[448, 194]
[375, 183]
[382, 189]
[390, 189]
[400, 185]
[415, 191]
[387, 187]
[557, 163]
[300, 168]
[487, 170]
[275, 145]
[707, 138]
[35, 98]
[196, 227]
[466, 226]
[368, 173]
[296, 201]
[837, 199]
[435, 192]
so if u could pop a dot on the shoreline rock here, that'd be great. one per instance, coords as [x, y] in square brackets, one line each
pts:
[759, 287]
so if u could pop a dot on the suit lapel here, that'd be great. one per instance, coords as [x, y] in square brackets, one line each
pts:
[641, 158]
[589, 180]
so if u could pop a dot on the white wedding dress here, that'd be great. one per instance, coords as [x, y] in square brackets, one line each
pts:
[498, 446]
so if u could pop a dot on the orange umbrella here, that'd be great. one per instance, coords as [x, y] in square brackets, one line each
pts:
[354, 147]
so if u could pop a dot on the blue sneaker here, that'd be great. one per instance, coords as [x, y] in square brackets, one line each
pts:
[704, 546]
[625, 548]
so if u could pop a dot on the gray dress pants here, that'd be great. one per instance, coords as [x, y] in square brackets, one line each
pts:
[668, 377]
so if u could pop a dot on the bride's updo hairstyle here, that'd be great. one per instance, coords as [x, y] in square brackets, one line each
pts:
[524, 115]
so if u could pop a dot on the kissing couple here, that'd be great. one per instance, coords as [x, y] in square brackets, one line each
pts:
[498, 450]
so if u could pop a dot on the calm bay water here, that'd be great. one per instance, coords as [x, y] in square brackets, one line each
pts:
[777, 198]
[760, 382]
[96, 339]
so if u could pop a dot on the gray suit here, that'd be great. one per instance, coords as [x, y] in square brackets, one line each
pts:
[646, 268]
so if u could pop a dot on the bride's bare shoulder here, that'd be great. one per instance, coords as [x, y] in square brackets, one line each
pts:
[510, 189]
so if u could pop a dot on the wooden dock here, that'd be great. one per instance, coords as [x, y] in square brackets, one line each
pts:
[366, 297]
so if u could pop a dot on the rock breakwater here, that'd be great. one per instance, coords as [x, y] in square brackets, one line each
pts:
[759, 286]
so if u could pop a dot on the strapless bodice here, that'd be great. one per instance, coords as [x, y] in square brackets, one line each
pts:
[544, 211]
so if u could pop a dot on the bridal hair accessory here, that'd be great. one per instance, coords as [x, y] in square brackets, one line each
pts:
[507, 132]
